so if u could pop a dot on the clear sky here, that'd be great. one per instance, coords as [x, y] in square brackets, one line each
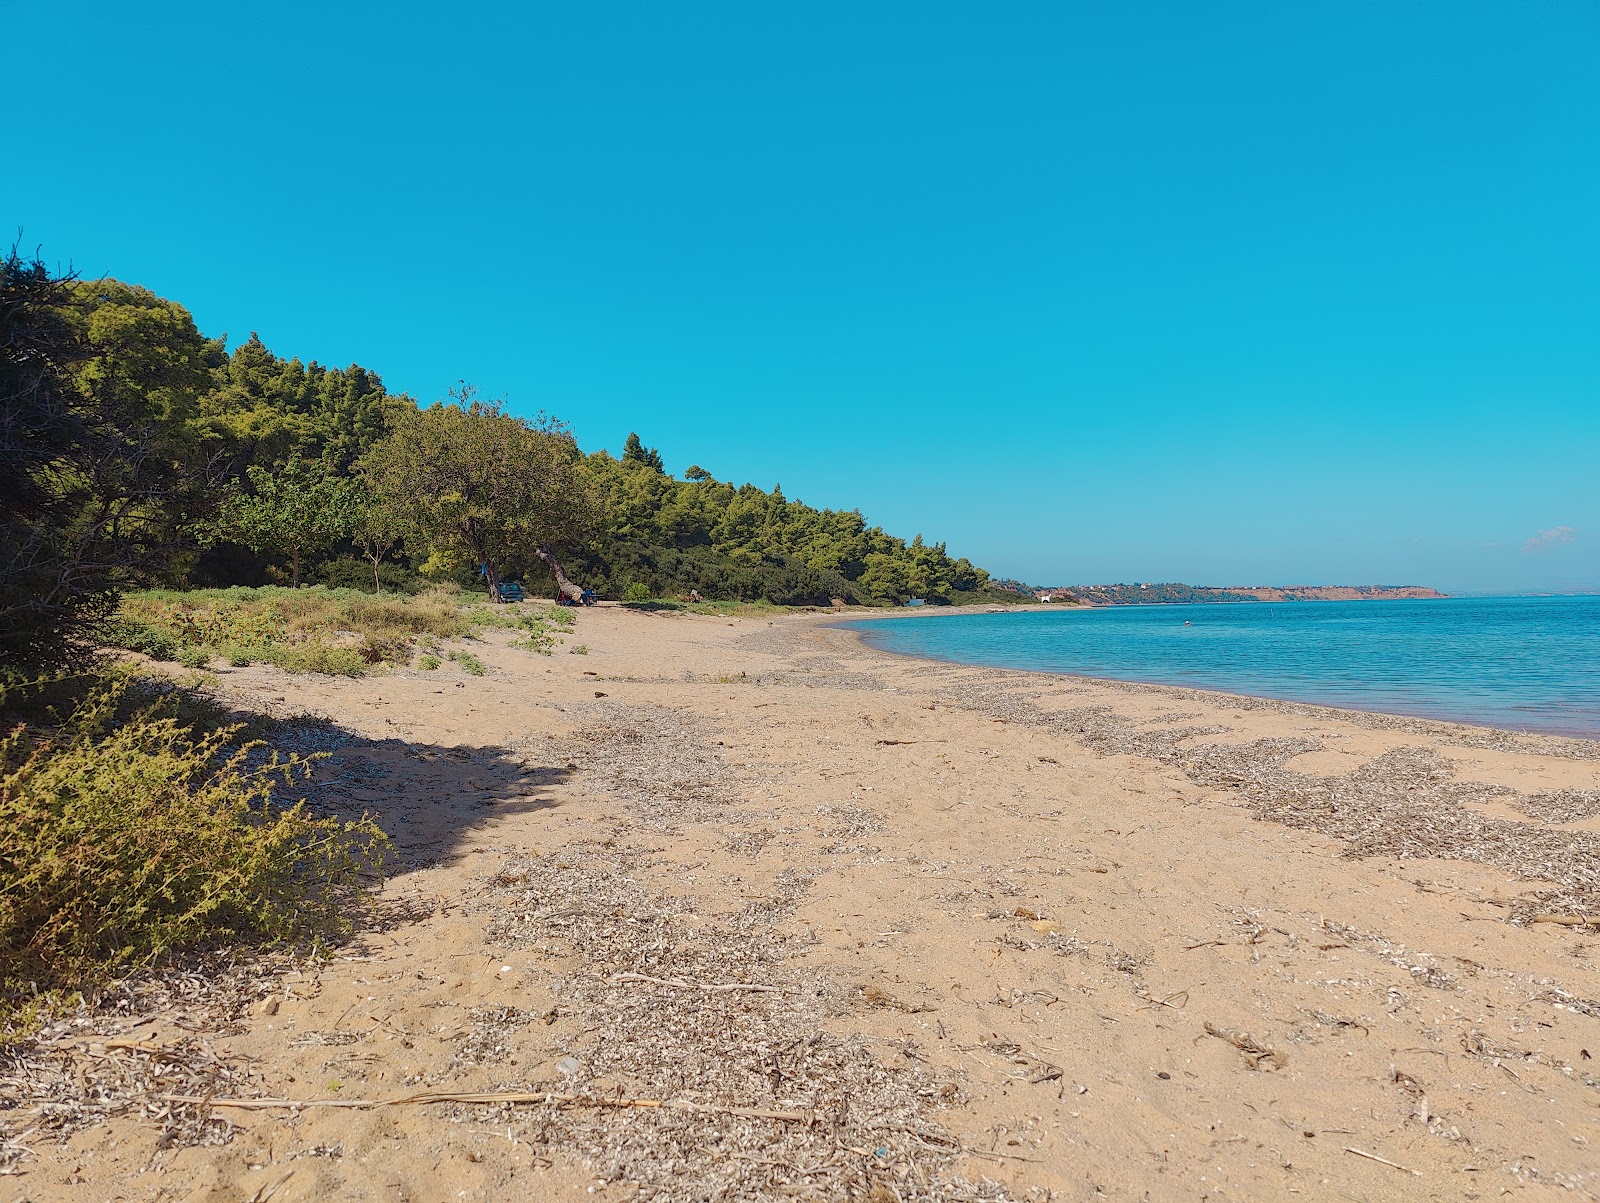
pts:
[1222, 293]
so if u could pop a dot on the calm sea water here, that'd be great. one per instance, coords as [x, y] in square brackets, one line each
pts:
[1525, 663]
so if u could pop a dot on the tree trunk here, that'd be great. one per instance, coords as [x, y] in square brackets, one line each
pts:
[493, 573]
[563, 581]
[377, 585]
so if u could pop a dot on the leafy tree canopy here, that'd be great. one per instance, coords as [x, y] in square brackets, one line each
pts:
[97, 473]
[298, 510]
[473, 485]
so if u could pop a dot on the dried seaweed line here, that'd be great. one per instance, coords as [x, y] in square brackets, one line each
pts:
[504, 1098]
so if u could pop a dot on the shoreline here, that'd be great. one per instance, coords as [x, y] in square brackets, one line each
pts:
[1310, 708]
[954, 932]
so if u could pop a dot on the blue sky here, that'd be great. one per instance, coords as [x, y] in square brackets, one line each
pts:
[1222, 293]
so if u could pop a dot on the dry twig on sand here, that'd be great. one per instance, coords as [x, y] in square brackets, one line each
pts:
[1254, 1052]
[677, 983]
[1382, 1161]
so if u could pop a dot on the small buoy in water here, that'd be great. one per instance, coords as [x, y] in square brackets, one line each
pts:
[1185, 622]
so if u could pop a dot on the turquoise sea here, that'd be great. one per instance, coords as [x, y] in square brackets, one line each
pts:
[1523, 663]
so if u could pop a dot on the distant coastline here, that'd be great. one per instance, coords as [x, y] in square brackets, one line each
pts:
[1152, 593]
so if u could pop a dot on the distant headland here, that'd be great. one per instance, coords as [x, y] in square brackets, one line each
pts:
[1151, 593]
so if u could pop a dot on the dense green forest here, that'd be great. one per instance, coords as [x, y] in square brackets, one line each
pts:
[142, 451]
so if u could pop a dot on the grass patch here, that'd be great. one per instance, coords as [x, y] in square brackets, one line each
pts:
[193, 656]
[133, 823]
[510, 615]
[469, 663]
[428, 662]
[541, 632]
[336, 631]
[317, 658]
[134, 636]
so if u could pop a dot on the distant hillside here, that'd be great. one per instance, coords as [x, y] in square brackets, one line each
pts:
[1150, 593]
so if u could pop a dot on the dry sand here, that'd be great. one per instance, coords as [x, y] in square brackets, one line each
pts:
[873, 928]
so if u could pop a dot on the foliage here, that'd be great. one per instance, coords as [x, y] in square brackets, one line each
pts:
[635, 452]
[428, 662]
[261, 409]
[192, 655]
[635, 593]
[469, 663]
[743, 543]
[378, 531]
[149, 453]
[127, 832]
[140, 637]
[321, 658]
[537, 632]
[471, 484]
[296, 510]
[91, 451]
[359, 572]
[299, 630]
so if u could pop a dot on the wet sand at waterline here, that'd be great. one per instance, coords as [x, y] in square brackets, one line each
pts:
[740, 908]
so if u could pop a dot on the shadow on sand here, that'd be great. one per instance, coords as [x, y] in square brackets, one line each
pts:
[426, 797]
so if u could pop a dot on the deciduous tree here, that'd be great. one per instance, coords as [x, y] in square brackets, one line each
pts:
[472, 484]
[297, 511]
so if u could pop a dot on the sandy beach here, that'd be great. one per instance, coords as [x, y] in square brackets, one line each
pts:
[739, 908]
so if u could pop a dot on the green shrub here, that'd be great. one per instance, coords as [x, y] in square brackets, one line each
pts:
[355, 573]
[238, 657]
[139, 637]
[192, 656]
[126, 833]
[469, 663]
[540, 641]
[316, 658]
[636, 593]
[562, 616]
[535, 634]
[428, 662]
